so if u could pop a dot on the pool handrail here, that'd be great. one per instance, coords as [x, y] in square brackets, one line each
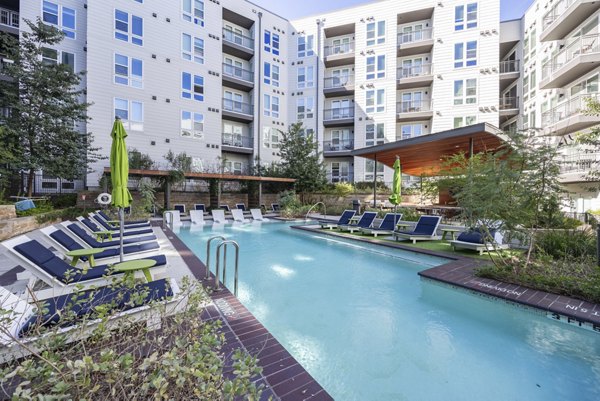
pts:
[208, 252]
[237, 258]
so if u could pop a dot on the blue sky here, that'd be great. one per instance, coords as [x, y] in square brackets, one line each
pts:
[509, 9]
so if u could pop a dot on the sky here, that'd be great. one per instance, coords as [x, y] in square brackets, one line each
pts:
[509, 9]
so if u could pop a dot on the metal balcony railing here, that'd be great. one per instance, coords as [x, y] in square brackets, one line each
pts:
[238, 39]
[414, 71]
[9, 17]
[509, 103]
[580, 162]
[238, 72]
[342, 48]
[339, 82]
[413, 106]
[415, 36]
[509, 66]
[237, 140]
[338, 114]
[566, 109]
[559, 8]
[349, 177]
[338, 145]
[575, 47]
[238, 107]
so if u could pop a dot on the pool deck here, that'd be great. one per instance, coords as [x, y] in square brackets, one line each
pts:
[460, 270]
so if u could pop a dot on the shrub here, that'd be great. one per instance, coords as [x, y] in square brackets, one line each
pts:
[367, 186]
[139, 160]
[408, 214]
[562, 244]
[70, 213]
[64, 200]
[289, 200]
[343, 188]
[41, 207]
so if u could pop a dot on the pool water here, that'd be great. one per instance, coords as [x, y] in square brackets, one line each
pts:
[362, 322]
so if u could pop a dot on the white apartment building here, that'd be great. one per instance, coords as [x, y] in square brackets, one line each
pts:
[218, 79]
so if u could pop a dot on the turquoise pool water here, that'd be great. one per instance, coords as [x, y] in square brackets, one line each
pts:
[363, 323]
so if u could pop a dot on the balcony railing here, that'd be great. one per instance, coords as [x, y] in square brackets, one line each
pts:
[339, 82]
[338, 145]
[9, 18]
[580, 162]
[566, 109]
[413, 106]
[414, 71]
[238, 107]
[238, 39]
[509, 66]
[237, 140]
[339, 113]
[349, 177]
[238, 72]
[415, 36]
[575, 47]
[559, 8]
[338, 50]
[509, 103]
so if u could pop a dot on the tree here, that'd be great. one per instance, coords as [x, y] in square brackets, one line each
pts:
[591, 141]
[301, 160]
[45, 105]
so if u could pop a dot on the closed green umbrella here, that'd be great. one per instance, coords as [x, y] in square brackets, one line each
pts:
[396, 196]
[119, 175]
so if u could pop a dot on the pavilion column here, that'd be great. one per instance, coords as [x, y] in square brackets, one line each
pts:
[254, 189]
[167, 196]
[214, 190]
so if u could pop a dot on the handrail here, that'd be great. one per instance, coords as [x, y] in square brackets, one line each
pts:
[313, 206]
[237, 258]
[208, 252]
[170, 213]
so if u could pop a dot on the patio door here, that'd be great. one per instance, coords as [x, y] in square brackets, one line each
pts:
[234, 101]
[412, 68]
[233, 67]
[340, 108]
[412, 33]
[412, 101]
[340, 77]
[340, 46]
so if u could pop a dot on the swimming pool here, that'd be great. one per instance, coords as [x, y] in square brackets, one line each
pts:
[362, 322]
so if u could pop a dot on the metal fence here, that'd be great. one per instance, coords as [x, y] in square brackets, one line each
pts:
[46, 185]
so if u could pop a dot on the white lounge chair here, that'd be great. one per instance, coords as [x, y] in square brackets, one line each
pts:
[238, 215]
[172, 217]
[94, 229]
[257, 215]
[476, 240]
[386, 226]
[201, 207]
[180, 207]
[197, 217]
[425, 230]
[344, 219]
[218, 216]
[91, 242]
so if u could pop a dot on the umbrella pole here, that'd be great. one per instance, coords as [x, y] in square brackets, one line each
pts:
[122, 223]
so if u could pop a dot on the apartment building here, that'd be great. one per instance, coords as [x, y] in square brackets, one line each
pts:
[219, 79]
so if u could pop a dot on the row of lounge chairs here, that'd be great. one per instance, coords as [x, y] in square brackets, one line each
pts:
[275, 208]
[218, 216]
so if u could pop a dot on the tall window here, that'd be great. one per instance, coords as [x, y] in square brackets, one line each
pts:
[192, 86]
[410, 131]
[271, 42]
[305, 107]
[271, 74]
[340, 172]
[464, 121]
[61, 17]
[193, 11]
[128, 71]
[306, 77]
[271, 106]
[465, 91]
[192, 48]
[192, 124]
[376, 67]
[306, 45]
[375, 33]
[129, 28]
[131, 113]
[375, 134]
[465, 54]
[370, 170]
[375, 101]
[52, 56]
[271, 137]
[465, 15]
[235, 102]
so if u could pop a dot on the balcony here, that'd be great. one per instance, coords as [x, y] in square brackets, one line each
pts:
[509, 107]
[237, 44]
[338, 147]
[349, 177]
[415, 76]
[569, 116]
[237, 78]
[412, 110]
[509, 73]
[415, 42]
[339, 86]
[342, 54]
[579, 57]
[237, 143]
[339, 117]
[576, 167]
[237, 111]
[565, 16]
[9, 21]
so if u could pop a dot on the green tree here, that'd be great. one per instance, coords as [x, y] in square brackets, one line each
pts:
[46, 107]
[301, 160]
[591, 141]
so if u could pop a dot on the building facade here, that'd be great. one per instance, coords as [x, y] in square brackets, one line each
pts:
[219, 79]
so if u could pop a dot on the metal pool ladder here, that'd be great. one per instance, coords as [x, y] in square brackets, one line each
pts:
[223, 244]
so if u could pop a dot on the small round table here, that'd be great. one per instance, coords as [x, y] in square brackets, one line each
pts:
[89, 253]
[452, 232]
[131, 266]
[102, 235]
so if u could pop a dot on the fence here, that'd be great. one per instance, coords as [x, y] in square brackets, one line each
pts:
[47, 185]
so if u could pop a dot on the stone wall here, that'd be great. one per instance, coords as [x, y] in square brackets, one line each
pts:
[7, 212]
[12, 227]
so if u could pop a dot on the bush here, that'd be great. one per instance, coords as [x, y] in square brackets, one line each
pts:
[64, 200]
[41, 207]
[70, 213]
[367, 186]
[289, 200]
[409, 214]
[566, 244]
[343, 188]
[139, 160]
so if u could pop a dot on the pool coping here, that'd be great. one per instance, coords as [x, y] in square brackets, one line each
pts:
[283, 376]
[460, 272]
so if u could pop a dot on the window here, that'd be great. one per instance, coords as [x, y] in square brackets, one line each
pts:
[375, 33]
[192, 84]
[412, 102]
[375, 134]
[464, 121]
[271, 106]
[235, 102]
[232, 167]
[271, 138]
[376, 67]
[471, 16]
[305, 107]
[128, 71]
[193, 11]
[271, 42]
[375, 101]
[191, 52]
[49, 56]
[127, 28]
[62, 17]
[465, 54]
[233, 136]
[306, 77]
[192, 125]
[271, 74]
[131, 113]
[52, 56]
[370, 170]
[341, 109]
[341, 139]
[410, 131]
[340, 171]
[465, 91]
[306, 45]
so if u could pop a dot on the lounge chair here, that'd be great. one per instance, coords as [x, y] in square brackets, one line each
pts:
[94, 229]
[238, 215]
[477, 240]
[342, 221]
[241, 206]
[128, 224]
[275, 207]
[425, 230]
[96, 218]
[257, 215]
[218, 216]
[197, 216]
[365, 221]
[91, 242]
[180, 207]
[173, 217]
[200, 206]
[386, 226]
[225, 208]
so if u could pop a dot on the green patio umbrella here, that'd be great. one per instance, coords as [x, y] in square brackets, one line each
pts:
[119, 175]
[396, 196]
